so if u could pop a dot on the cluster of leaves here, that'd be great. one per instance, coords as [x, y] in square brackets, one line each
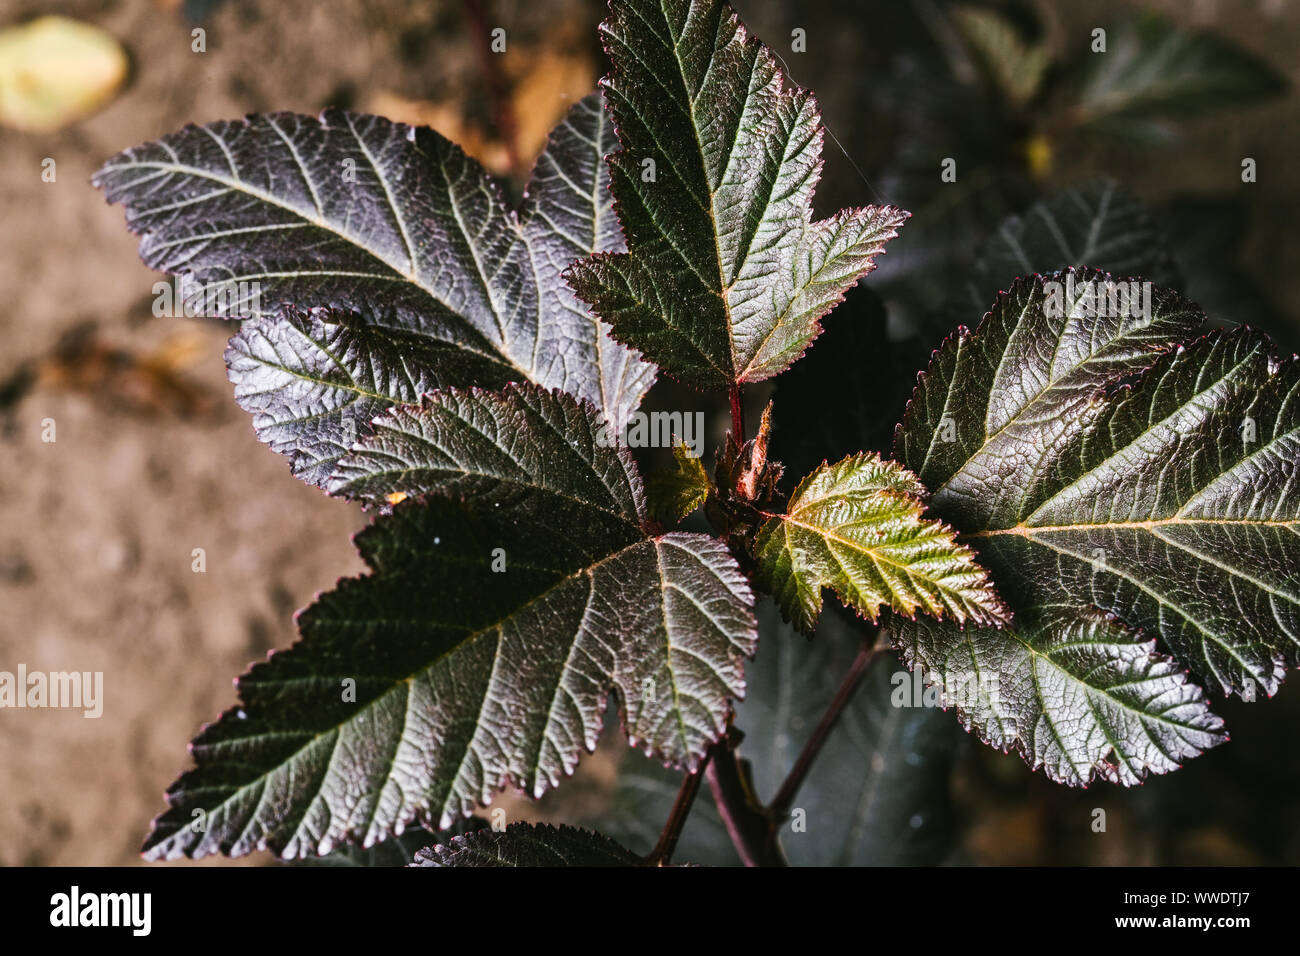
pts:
[1017, 97]
[412, 342]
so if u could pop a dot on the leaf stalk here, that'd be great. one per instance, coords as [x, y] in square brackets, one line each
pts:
[868, 651]
[662, 854]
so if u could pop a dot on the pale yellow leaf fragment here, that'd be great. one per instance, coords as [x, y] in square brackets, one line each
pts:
[54, 70]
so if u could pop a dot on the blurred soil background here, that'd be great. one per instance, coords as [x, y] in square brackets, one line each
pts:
[152, 459]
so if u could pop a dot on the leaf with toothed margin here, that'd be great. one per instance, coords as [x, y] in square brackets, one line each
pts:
[376, 261]
[393, 852]
[478, 652]
[857, 527]
[510, 446]
[675, 494]
[1074, 691]
[1091, 460]
[726, 276]
[314, 381]
[528, 844]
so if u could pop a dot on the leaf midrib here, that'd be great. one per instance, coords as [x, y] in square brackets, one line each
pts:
[261, 779]
[874, 555]
[1209, 637]
[723, 288]
[1030, 531]
[1046, 658]
[239, 185]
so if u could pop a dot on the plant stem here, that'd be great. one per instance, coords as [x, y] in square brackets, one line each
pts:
[662, 854]
[748, 825]
[737, 416]
[779, 808]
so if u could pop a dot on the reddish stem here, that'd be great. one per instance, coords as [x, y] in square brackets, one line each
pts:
[737, 416]
[663, 851]
[748, 826]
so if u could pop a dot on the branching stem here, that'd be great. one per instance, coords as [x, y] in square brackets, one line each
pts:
[662, 854]
[747, 823]
[752, 827]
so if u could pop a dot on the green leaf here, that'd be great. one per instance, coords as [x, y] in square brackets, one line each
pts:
[1165, 509]
[877, 795]
[1099, 225]
[726, 276]
[995, 406]
[479, 651]
[675, 494]
[402, 266]
[1153, 68]
[1092, 460]
[1074, 691]
[528, 844]
[857, 527]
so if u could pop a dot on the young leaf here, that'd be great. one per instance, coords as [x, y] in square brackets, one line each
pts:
[1074, 691]
[677, 493]
[403, 265]
[856, 527]
[1173, 505]
[726, 275]
[478, 652]
[528, 844]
